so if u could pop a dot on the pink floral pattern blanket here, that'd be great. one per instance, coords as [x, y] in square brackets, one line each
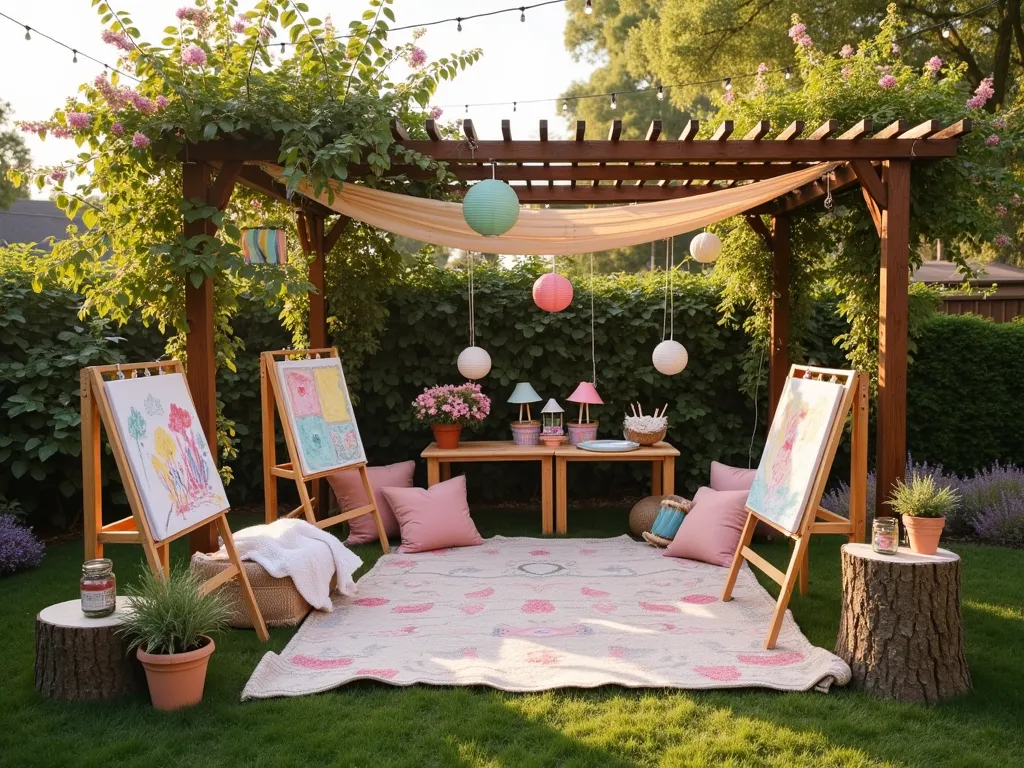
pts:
[524, 614]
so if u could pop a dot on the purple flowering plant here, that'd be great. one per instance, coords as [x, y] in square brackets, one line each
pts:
[19, 547]
[463, 404]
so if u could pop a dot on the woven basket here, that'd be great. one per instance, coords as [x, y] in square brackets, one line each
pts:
[645, 438]
[279, 601]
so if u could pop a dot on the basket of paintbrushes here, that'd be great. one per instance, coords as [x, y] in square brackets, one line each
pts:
[645, 429]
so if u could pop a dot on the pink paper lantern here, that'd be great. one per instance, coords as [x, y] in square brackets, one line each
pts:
[552, 292]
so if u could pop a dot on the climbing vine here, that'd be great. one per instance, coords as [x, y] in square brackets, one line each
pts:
[968, 201]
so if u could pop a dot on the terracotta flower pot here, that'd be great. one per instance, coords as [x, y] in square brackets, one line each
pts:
[924, 533]
[447, 435]
[176, 680]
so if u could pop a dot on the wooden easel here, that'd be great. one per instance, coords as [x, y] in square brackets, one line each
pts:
[814, 518]
[97, 416]
[272, 404]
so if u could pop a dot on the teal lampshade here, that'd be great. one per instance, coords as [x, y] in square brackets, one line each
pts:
[491, 208]
[524, 393]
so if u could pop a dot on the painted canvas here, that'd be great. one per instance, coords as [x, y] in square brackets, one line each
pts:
[793, 451]
[319, 409]
[167, 451]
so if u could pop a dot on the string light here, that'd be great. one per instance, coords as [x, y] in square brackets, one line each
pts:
[522, 13]
[282, 49]
[661, 92]
[74, 56]
[787, 72]
[28, 32]
[589, 7]
[615, 104]
[513, 106]
[565, 105]
[727, 83]
[459, 28]
[945, 32]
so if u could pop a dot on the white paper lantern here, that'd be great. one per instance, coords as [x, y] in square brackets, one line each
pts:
[474, 363]
[705, 247]
[670, 357]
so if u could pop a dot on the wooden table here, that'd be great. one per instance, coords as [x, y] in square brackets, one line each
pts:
[662, 457]
[440, 460]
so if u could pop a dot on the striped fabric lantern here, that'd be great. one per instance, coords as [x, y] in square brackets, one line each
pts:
[264, 246]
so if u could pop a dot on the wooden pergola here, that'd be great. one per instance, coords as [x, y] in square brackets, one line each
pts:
[621, 171]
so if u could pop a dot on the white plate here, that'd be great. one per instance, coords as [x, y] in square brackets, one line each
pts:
[608, 446]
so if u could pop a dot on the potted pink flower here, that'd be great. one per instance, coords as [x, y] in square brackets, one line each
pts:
[450, 407]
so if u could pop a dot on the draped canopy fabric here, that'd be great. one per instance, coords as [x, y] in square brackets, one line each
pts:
[553, 231]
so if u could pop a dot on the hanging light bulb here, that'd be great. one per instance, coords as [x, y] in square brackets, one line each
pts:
[282, 49]
[661, 92]
[727, 83]
[459, 28]
[467, 109]
[946, 32]
[513, 106]
[589, 7]
[615, 104]
[787, 72]
[74, 56]
[522, 13]
[565, 105]
[28, 32]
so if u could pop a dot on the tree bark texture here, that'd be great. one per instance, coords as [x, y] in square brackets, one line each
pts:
[83, 663]
[901, 630]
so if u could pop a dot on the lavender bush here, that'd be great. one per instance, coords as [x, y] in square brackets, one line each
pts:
[1002, 521]
[19, 548]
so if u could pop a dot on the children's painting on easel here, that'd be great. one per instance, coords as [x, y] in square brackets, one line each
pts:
[797, 439]
[170, 459]
[319, 410]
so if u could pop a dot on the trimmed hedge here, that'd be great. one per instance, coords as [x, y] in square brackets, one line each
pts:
[965, 393]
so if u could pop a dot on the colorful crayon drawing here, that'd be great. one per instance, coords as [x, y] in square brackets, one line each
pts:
[793, 451]
[170, 460]
[319, 412]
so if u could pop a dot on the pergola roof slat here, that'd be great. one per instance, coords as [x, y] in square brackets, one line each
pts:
[824, 130]
[922, 131]
[759, 131]
[431, 128]
[892, 130]
[791, 131]
[860, 130]
[957, 129]
[690, 131]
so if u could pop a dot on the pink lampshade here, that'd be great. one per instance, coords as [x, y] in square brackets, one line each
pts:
[585, 393]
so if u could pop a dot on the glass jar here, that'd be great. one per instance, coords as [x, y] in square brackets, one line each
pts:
[885, 535]
[99, 588]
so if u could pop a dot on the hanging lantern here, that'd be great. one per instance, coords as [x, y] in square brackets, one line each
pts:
[670, 357]
[552, 292]
[491, 208]
[705, 247]
[474, 363]
[264, 245]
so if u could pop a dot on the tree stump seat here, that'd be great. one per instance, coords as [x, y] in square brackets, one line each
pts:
[901, 630]
[83, 659]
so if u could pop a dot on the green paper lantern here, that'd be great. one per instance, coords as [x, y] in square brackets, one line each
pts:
[491, 208]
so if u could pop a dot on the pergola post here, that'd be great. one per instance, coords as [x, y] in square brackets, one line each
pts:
[200, 367]
[891, 451]
[778, 363]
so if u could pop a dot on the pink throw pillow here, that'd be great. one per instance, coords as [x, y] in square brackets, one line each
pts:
[348, 490]
[434, 518]
[726, 478]
[712, 528]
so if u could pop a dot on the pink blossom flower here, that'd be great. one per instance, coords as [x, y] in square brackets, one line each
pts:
[238, 25]
[934, 64]
[982, 94]
[141, 103]
[58, 175]
[762, 68]
[1002, 241]
[417, 57]
[992, 140]
[846, 51]
[140, 140]
[1001, 209]
[117, 129]
[62, 132]
[797, 30]
[117, 39]
[895, 49]
[847, 71]
[886, 81]
[184, 13]
[117, 97]
[435, 113]
[804, 41]
[162, 101]
[79, 120]
[193, 55]
[35, 126]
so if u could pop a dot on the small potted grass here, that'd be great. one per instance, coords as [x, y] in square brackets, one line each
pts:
[170, 622]
[923, 505]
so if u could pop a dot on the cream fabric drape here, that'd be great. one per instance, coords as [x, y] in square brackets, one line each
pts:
[553, 231]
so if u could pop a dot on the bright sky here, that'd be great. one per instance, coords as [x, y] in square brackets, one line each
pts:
[521, 61]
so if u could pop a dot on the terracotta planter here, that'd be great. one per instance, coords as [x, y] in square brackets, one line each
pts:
[581, 432]
[526, 432]
[447, 435]
[176, 680]
[924, 533]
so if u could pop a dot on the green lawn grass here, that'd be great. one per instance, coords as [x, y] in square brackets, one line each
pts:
[369, 724]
